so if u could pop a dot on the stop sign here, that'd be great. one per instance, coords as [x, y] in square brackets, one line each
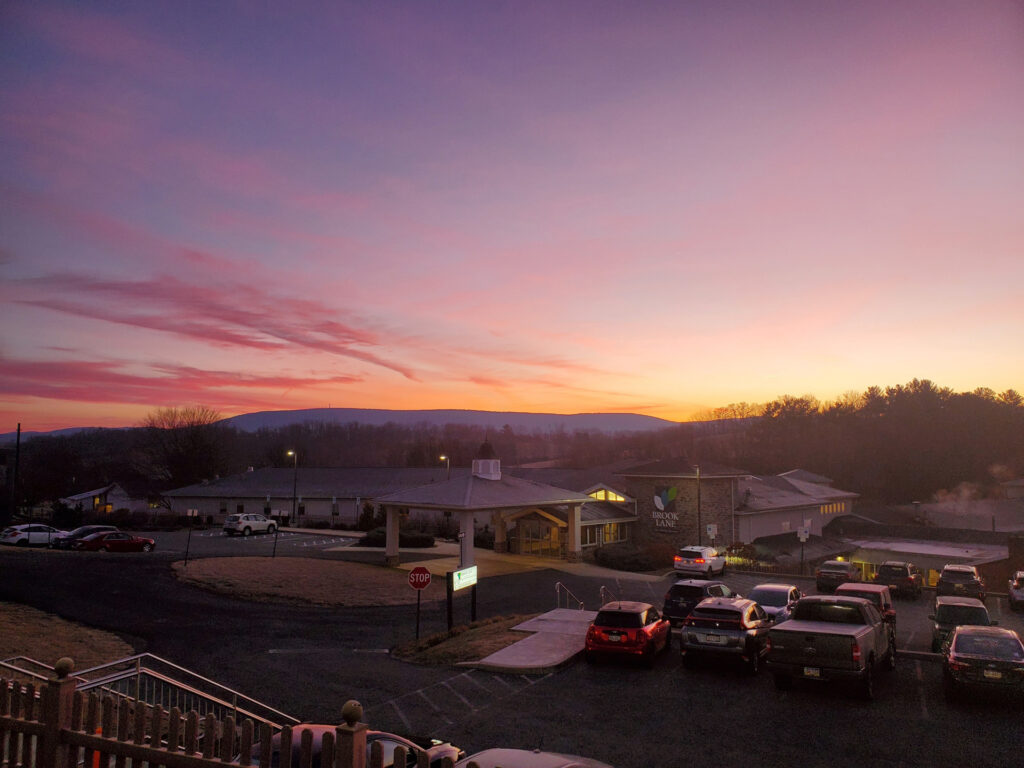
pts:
[419, 577]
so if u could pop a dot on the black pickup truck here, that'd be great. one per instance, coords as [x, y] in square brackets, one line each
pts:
[831, 638]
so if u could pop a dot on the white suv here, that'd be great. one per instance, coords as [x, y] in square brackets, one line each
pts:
[248, 524]
[705, 561]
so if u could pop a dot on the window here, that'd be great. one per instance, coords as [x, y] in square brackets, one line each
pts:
[240, 509]
[223, 507]
[603, 494]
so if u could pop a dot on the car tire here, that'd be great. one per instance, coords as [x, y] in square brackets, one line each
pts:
[891, 660]
[247, 531]
[271, 528]
[649, 655]
[21, 543]
[754, 664]
[867, 684]
[105, 549]
[782, 682]
[707, 573]
[147, 547]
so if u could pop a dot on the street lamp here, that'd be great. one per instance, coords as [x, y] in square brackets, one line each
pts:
[448, 463]
[699, 542]
[295, 483]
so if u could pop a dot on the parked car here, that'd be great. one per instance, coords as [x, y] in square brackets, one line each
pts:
[985, 659]
[625, 627]
[832, 573]
[705, 561]
[30, 535]
[684, 595]
[961, 580]
[953, 612]
[522, 758]
[67, 540]
[880, 597]
[831, 638]
[248, 524]
[1015, 591]
[114, 541]
[726, 626]
[776, 599]
[434, 749]
[903, 579]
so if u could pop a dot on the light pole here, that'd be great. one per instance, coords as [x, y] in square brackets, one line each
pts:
[295, 483]
[448, 463]
[699, 542]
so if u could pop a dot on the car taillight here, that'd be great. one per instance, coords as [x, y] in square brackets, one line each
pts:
[817, 573]
[699, 560]
[677, 559]
[591, 633]
[957, 666]
[856, 652]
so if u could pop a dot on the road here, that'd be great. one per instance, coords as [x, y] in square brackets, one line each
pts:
[309, 661]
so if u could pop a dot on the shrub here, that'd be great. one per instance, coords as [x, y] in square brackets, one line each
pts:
[369, 519]
[408, 539]
[316, 525]
[484, 539]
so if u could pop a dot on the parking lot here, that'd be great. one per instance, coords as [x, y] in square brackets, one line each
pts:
[308, 661]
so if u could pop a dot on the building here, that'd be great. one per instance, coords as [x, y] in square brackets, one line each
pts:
[105, 500]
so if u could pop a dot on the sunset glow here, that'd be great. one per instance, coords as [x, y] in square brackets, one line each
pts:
[562, 207]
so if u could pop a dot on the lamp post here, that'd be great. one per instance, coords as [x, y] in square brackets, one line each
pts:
[699, 542]
[448, 464]
[295, 483]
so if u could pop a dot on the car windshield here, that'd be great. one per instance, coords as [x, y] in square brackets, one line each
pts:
[232, 518]
[834, 567]
[717, 614]
[957, 576]
[961, 614]
[888, 571]
[776, 598]
[618, 620]
[874, 597]
[686, 593]
[993, 647]
[835, 613]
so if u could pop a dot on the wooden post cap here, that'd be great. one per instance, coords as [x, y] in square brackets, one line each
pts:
[352, 712]
[64, 667]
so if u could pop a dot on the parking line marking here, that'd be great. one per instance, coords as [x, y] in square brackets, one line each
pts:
[408, 725]
[459, 696]
[434, 706]
[918, 671]
[483, 688]
[502, 680]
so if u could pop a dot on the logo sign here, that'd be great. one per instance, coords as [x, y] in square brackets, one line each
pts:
[712, 530]
[463, 578]
[803, 533]
[419, 577]
[665, 515]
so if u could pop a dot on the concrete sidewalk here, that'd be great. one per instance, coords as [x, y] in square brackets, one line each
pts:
[558, 636]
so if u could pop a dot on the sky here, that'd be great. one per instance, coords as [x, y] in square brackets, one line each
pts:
[566, 207]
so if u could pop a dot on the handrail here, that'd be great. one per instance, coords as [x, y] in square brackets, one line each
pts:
[559, 589]
[607, 596]
[224, 693]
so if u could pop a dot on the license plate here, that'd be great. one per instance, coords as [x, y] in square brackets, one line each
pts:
[613, 638]
[812, 672]
[959, 588]
[713, 639]
[992, 674]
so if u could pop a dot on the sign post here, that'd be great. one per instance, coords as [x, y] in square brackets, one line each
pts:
[191, 514]
[460, 579]
[803, 534]
[419, 579]
[712, 532]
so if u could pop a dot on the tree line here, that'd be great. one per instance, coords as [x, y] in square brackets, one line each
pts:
[898, 444]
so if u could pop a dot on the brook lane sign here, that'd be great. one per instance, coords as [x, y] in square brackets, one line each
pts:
[419, 578]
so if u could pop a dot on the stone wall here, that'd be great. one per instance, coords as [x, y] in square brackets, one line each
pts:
[675, 520]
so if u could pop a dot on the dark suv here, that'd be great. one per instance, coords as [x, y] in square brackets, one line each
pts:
[961, 581]
[903, 579]
[832, 573]
[683, 596]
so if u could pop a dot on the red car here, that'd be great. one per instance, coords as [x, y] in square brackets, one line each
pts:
[628, 628]
[114, 541]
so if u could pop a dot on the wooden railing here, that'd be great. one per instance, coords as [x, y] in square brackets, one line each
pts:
[54, 725]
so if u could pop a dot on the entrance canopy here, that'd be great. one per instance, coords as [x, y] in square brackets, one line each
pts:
[468, 495]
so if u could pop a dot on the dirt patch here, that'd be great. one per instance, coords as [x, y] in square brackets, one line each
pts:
[274, 579]
[46, 638]
[470, 642]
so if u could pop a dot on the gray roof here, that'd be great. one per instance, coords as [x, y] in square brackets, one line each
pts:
[317, 482]
[87, 495]
[475, 493]
[805, 476]
[764, 493]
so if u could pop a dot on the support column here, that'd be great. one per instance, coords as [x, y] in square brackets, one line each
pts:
[466, 554]
[391, 558]
[500, 533]
[574, 545]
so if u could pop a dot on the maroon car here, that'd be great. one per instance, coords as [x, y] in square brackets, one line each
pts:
[628, 628]
[115, 541]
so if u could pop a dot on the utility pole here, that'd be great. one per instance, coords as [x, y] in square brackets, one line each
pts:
[699, 541]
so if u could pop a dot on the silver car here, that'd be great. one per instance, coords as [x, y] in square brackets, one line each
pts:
[248, 524]
[776, 599]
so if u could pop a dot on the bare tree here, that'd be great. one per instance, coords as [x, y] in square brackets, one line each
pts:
[182, 445]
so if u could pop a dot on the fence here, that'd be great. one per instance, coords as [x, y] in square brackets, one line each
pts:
[55, 725]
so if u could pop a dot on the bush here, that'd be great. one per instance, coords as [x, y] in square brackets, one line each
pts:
[632, 557]
[316, 525]
[369, 519]
[484, 539]
[408, 539]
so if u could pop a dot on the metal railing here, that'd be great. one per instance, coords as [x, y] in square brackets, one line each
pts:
[561, 589]
[607, 596]
[158, 682]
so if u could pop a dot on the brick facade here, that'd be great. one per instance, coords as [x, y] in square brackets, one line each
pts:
[676, 523]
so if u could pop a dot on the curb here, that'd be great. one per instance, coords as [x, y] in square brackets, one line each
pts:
[503, 669]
